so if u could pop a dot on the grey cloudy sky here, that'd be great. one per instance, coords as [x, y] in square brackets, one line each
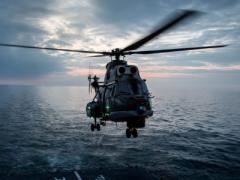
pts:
[108, 24]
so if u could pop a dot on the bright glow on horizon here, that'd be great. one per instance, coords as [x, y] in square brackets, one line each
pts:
[160, 71]
[207, 66]
[74, 71]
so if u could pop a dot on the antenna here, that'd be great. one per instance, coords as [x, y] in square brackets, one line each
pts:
[89, 78]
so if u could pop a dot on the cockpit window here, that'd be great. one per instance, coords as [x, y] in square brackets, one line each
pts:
[135, 87]
[123, 88]
[113, 91]
[132, 87]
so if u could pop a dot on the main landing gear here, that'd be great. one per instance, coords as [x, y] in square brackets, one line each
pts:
[131, 131]
[95, 125]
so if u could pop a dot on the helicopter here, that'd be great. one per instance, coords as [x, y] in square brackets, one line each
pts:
[123, 96]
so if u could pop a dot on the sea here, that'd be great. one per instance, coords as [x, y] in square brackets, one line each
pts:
[45, 134]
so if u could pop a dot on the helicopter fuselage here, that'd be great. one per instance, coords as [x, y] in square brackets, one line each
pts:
[123, 96]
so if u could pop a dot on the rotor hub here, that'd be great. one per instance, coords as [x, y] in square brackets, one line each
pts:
[117, 53]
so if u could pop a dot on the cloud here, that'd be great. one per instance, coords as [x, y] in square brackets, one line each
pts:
[20, 64]
[108, 24]
[205, 67]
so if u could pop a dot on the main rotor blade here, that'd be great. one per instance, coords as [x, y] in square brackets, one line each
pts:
[53, 49]
[172, 50]
[175, 20]
[102, 55]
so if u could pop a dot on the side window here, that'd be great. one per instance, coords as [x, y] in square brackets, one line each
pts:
[144, 88]
[108, 92]
[108, 75]
[113, 91]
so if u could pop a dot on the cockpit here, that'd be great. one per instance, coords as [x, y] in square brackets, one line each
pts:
[132, 87]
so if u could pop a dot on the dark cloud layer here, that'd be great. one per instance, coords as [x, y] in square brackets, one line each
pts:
[16, 28]
[19, 64]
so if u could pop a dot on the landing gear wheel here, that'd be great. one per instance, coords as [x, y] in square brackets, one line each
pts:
[92, 127]
[128, 133]
[98, 127]
[134, 132]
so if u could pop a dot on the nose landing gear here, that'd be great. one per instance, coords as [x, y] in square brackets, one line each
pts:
[131, 131]
[95, 125]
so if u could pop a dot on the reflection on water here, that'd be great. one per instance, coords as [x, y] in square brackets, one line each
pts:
[192, 135]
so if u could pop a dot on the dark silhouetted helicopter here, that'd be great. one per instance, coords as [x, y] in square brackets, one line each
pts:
[123, 96]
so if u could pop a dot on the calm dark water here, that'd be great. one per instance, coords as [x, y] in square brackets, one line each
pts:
[194, 134]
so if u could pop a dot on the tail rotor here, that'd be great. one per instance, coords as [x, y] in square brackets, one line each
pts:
[89, 84]
[89, 79]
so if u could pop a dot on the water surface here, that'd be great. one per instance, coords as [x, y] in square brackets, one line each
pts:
[45, 134]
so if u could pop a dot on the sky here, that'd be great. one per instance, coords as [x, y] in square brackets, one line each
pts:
[103, 25]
